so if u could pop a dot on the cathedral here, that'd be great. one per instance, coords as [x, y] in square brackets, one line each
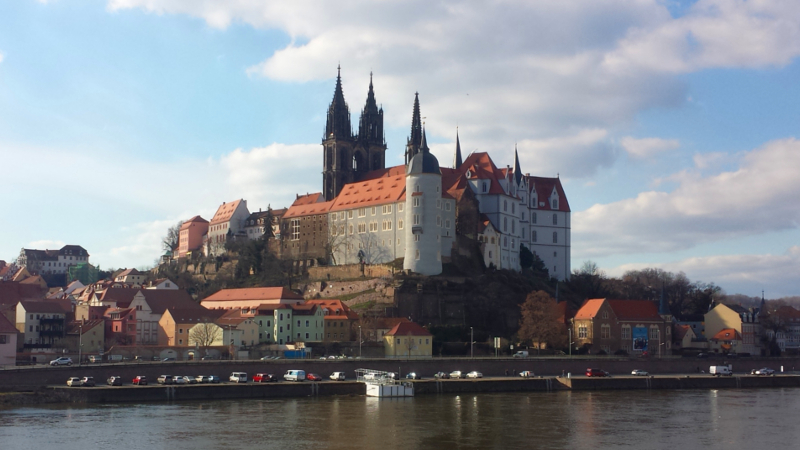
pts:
[420, 211]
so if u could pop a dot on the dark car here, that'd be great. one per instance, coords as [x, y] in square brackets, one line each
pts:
[264, 378]
[87, 381]
[139, 380]
[441, 375]
[597, 373]
[313, 377]
[114, 381]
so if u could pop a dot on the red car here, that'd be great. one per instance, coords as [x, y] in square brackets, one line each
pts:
[597, 373]
[313, 377]
[140, 380]
[264, 378]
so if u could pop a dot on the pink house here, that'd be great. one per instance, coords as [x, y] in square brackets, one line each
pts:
[191, 236]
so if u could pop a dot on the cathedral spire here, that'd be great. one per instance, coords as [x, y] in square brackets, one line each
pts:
[414, 141]
[424, 144]
[338, 123]
[457, 158]
[517, 170]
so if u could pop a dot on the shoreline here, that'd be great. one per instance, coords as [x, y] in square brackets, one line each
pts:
[228, 391]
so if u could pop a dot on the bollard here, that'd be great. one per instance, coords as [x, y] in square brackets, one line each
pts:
[569, 374]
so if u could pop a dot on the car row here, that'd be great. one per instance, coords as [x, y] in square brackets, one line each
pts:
[762, 371]
[80, 382]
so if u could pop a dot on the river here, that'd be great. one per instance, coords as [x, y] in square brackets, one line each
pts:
[683, 419]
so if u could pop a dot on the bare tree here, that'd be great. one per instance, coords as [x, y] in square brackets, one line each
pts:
[171, 240]
[539, 323]
[204, 334]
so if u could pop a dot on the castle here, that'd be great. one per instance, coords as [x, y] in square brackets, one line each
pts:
[418, 211]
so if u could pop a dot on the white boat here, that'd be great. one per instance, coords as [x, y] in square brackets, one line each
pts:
[384, 384]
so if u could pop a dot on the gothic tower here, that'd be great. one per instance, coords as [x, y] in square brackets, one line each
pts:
[415, 140]
[338, 145]
[370, 153]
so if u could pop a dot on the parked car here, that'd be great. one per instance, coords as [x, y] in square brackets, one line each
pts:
[526, 374]
[521, 354]
[208, 358]
[337, 376]
[639, 373]
[73, 381]
[313, 377]
[391, 375]
[189, 380]
[177, 379]
[441, 375]
[474, 374]
[294, 375]
[238, 377]
[720, 370]
[62, 361]
[87, 381]
[763, 371]
[413, 376]
[114, 381]
[213, 379]
[264, 378]
[139, 380]
[456, 374]
[597, 373]
[202, 379]
[165, 379]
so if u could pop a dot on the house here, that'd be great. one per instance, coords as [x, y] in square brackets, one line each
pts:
[632, 326]
[8, 342]
[175, 324]
[744, 321]
[490, 242]
[190, 236]
[150, 305]
[308, 323]
[52, 261]
[162, 283]
[408, 340]
[375, 329]
[250, 298]
[120, 325]
[42, 323]
[683, 337]
[227, 222]
[340, 320]
[89, 335]
[258, 224]
[726, 341]
[240, 330]
[131, 277]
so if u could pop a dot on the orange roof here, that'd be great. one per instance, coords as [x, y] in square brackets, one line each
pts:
[308, 199]
[308, 209]
[335, 309]
[590, 308]
[260, 293]
[387, 172]
[196, 219]
[225, 212]
[727, 334]
[408, 329]
[377, 191]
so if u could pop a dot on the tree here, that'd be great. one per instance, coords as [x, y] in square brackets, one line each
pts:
[204, 334]
[525, 257]
[588, 281]
[173, 237]
[539, 322]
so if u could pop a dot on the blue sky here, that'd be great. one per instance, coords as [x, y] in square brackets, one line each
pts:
[673, 125]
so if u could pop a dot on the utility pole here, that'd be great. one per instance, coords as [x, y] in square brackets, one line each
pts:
[471, 341]
[80, 343]
[359, 341]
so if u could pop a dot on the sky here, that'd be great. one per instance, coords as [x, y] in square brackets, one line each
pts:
[672, 124]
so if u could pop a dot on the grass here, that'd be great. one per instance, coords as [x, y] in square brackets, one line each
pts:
[365, 305]
[346, 297]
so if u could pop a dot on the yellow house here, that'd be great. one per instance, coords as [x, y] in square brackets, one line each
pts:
[175, 324]
[408, 340]
[721, 318]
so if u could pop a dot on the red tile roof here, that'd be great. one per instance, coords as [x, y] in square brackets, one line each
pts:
[196, 219]
[373, 192]
[544, 187]
[259, 293]
[225, 212]
[635, 310]
[408, 329]
[336, 310]
[727, 334]
[46, 307]
[589, 308]
[308, 209]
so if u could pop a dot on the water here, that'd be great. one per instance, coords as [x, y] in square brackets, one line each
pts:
[724, 419]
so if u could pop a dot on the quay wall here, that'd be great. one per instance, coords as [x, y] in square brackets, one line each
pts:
[26, 378]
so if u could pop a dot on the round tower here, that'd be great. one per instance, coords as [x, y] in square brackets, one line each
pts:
[423, 213]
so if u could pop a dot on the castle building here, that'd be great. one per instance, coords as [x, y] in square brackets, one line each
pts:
[369, 213]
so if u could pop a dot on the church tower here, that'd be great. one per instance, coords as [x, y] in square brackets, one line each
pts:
[370, 142]
[338, 145]
[415, 139]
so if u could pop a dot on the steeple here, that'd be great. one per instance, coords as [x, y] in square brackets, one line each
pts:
[414, 141]
[424, 145]
[370, 124]
[338, 124]
[457, 158]
[517, 170]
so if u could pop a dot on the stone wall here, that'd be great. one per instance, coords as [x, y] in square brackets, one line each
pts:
[349, 272]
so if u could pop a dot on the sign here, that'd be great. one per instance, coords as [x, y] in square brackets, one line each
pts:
[639, 339]
[497, 342]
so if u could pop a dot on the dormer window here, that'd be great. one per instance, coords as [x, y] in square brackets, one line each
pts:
[555, 203]
[485, 186]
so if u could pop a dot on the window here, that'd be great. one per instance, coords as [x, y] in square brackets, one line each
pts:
[386, 225]
[505, 205]
[533, 217]
[513, 208]
[438, 221]
[362, 212]
[350, 214]
[505, 224]
[373, 226]
[362, 228]
[505, 241]
[447, 206]
[400, 207]
[582, 333]
[295, 227]
[447, 223]
[387, 209]
[605, 331]
[513, 226]
[555, 203]
[555, 219]
[626, 332]
[399, 227]
[416, 202]
[374, 209]
[416, 188]
[555, 237]
[350, 228]
[654, 333]
[416, 219]
[180, 330]
[416, 255]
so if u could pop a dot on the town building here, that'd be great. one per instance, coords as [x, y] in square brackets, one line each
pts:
[408, 340]
[630, 326]
[162, 283]
[41, 323]
[8, 342]
[340, 320]
[258, 224]
[227, 223]
[745, 322]
[248, 298]
[131, 277]
[175, 324]
[191, 235]
[88, 335]
[52, 261]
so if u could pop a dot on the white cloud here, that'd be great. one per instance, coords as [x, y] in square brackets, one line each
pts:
[760, 196]
[648, 147]
[745, 274]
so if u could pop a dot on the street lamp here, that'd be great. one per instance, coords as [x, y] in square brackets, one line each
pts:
[471, 341]
[80, 343]
[359, 341]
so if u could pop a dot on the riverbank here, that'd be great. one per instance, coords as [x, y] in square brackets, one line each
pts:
[227, 391]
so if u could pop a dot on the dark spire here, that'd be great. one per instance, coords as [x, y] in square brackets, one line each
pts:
[517, 170]
[424, 144]
[414, 141]
[457, 158]
[338, 123]
[370, 124]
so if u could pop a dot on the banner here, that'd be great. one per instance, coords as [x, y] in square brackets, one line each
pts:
[640, 339]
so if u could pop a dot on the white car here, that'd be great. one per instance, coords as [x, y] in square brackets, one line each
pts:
[456, 374]
[474, 374]
[639, 373]
[177, 379]
[62, 361]
[337, 376]
[74, 381]
[526, 374]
